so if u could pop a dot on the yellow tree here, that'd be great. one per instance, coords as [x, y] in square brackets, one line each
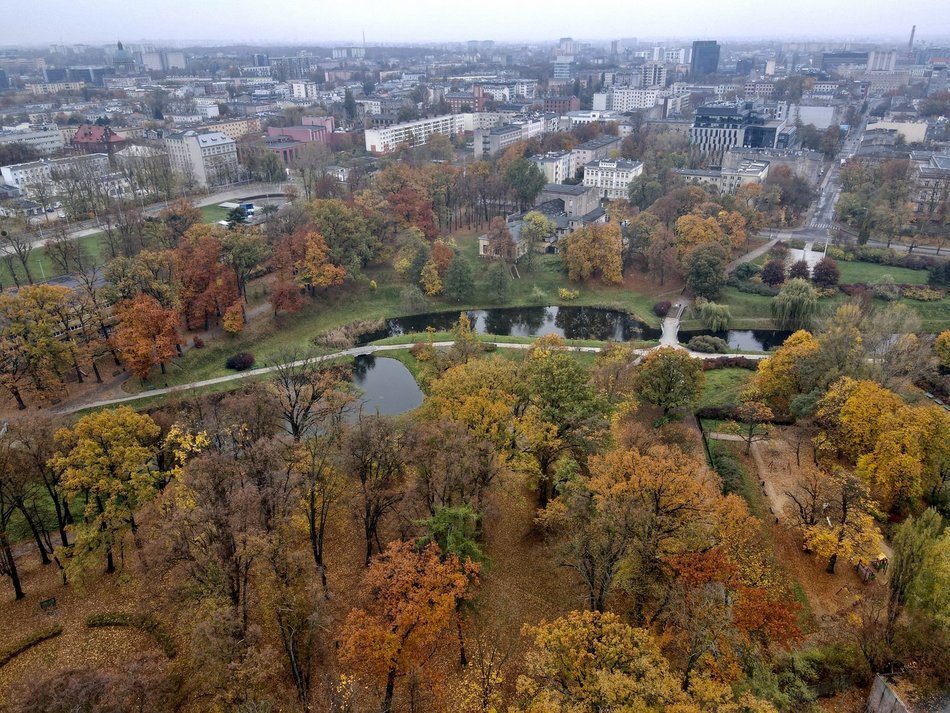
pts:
[894, 469]
[594, 251]
[314, 270]
[790, 371]
[107, 457]
[415, 593]
[431, 282]
[942, 348]
[846, 529]
[863, 416]
[693, 230]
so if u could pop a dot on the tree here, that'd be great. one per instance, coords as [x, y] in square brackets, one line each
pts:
[314, 270]
[795, 305]
[107, 458]
[594, 251]
[851, 534]
[499, 281]
[430, 280]
[914, 545]
[8, 472]
[19, 243]
[459, 283]
[535, 228]
[826, 273]
[307, 392]
[147, 334]
[773, 273]
[694, 230]
[792, 370]
[670, 379]
[750, 417]
[705, 270]
[414, 596]
[350, 242]
[661, 253]
[500, 242]
[525, 179]
[245, 251]
[372, 456]
[715, 316]
[942, 348]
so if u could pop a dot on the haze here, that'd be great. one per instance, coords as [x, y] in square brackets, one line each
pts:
[384, 21]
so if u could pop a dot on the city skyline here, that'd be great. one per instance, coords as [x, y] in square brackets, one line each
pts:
[243, 22]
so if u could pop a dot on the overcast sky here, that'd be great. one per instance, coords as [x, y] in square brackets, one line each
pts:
[315, 21]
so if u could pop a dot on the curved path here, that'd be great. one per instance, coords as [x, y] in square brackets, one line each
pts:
[356, 351]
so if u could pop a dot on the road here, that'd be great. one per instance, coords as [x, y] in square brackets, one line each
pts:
[82, 229]
[356, 351]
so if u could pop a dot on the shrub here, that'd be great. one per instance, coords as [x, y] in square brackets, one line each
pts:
[779, 250]
[729, 469]
[538, 296]
[708, 344]
[421, 351]
[826, 273]
[715, 316]
[729, 362]
[568, 295]
[412, 299]
[826, 292]
[747, 270]
[797, 244]
[28, 642]
[836, 253]
[886, 289]
[143, 622]
[923, 294]
[939, 275]
[853, 290]
[661, 309]
[800, 269]
[773, 273]
[199, 342]
[240, 361]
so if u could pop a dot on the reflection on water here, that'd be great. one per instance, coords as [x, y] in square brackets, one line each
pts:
[386, 386]
[567, 322]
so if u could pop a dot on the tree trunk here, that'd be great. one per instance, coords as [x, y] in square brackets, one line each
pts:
[832, 561]
[19, 399]
[390, 687]
[463, 659]
[44, 555]
[11, 569]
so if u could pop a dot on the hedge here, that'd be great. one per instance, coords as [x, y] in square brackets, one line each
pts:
[730, 362]
[143, 622]
[727, 412]
[18, 647]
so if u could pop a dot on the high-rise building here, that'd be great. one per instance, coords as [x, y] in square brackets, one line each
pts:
[653, 74]
[705, 59]
[564, 67]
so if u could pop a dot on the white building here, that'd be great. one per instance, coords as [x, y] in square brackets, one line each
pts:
[748, 171]
[675, 56]
[413, 133]
[370, 106]
[203, 159]
[624, 100]
[611, 177]
[879, 61]
[304, 90]
[45, 139]
[27, 176]
[653, 74]
[555, 165]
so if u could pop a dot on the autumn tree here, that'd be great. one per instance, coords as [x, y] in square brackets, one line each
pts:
[535, 228]
[106, 457]
[500, 243]
[372, 457]
[349, 241]
[790, 371]
[852, 534]
[942, 348]
[307, 392]
[751, 423]
[915, 543]
[245, 251]
[147, 334]
[8, 472]
[314, 270]
[414, 597]
[694, 230]
[670, 379]
[594, 251]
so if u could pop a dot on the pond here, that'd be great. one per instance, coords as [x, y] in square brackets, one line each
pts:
[568, 322]
[386, 386]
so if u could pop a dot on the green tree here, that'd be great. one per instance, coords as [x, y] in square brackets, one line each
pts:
[459, 285]
[916, 567]
[499, 283]
[795, 305]
[525, 179]
[535, 228]
[346, 231]
[670, 379]
[706, 270]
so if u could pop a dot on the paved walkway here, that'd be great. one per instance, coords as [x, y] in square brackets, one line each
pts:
[750, 256]
[356, 351]
[671, 324]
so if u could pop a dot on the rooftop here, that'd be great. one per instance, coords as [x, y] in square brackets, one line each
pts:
[566, 190]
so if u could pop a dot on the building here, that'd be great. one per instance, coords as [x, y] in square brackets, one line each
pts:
[653, 74]
[304, 90]
[705, 59]
[43, 88]
[285, 68]
[593, 150]
[562, 105]
[931, 188]
[624, 99]
[90, 138]
[287, 150]
[555, 165]
[302, 134]
[579, 200]
[834, 61]
[234, 128]
[28, 176]
[490, 141]
[719, 126]
[163, 61]
[802, 162]
[383, 140]
[204, 160]
[748, 171]
[46, 139]
[880, 61]
[611, 177]
[564, 67]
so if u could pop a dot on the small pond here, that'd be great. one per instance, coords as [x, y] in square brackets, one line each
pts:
[749, 340]
[386, 386]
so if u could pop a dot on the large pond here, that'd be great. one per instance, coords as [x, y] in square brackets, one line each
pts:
[568, 322]
[386, 386]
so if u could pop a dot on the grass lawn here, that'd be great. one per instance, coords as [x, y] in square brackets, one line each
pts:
[853, 273]
[213, 213]
[934, 316]
[42, 267]
[724, 386]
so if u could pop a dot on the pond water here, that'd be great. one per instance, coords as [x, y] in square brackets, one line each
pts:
[568, 322]
[386, 386]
